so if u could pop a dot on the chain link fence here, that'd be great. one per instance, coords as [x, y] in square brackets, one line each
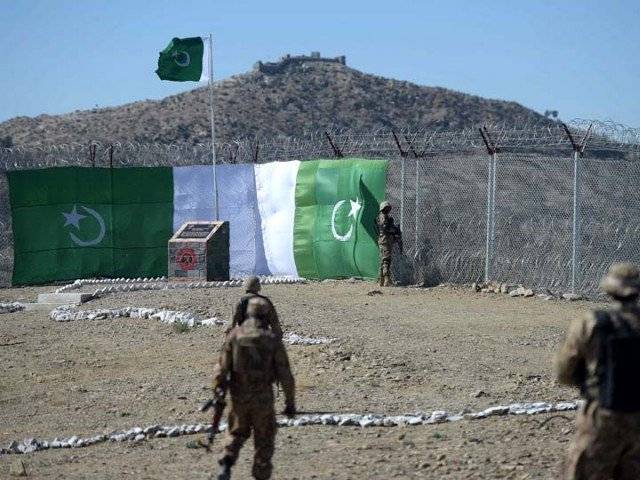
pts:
[533, 220]
[609, 217]
[519, 205]
[441, 210]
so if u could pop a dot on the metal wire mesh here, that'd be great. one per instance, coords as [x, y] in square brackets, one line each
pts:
[533, 220]
[440, 184]
[609, 218]
[448, 205]
[6, 235]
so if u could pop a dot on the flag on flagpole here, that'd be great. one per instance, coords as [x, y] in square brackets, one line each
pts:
[184, 60]
[191, 59]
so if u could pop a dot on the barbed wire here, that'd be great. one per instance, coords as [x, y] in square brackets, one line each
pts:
[441, 202]
[383, 143]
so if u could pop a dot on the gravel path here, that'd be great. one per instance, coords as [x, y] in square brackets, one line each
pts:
[401, 351]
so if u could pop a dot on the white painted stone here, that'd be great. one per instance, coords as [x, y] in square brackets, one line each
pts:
[138, 434]
[571, 296]
[11, 307]
[295, 339]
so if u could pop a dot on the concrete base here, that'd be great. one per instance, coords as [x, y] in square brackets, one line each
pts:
[64, 298]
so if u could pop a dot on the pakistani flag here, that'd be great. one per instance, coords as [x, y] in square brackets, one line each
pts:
[336, 203]
[76, 222]
[185, 59]
[313, 219]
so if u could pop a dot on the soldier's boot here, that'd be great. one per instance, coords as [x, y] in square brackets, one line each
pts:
[225, 472]
[385, 277]
[382, 274]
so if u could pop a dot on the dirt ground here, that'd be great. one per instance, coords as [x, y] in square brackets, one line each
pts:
[401, 351]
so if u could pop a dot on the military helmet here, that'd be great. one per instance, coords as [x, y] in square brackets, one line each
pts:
[252, 284]
[622, 280]
[258, 308]
[384, 205]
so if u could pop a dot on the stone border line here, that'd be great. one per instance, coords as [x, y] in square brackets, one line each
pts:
[135, 287]
[102, 281]
[295, 339]
[68, 313]
[121, 285]
[11, 307]
[517, 290]
[138, 434]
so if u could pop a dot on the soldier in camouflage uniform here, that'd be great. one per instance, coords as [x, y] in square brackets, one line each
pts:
[388, 234]
[252, 289]
[253, 358]
[601, 355]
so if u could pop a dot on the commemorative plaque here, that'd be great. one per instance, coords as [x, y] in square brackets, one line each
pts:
[200, 251]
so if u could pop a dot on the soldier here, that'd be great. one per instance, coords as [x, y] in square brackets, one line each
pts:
[601, 355]
[252, 287]
[388, 234]
[252, 359]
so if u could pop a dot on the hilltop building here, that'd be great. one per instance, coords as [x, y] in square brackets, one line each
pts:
[286, 60]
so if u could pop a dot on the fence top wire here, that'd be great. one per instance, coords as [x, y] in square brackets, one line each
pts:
[548, 135]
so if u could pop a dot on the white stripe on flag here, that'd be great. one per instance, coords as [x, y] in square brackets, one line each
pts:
[276, 191]
[238, 205]
[206, 58]
[192, 194]
[193, 200]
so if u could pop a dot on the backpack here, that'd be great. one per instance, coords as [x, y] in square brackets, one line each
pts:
[618, 364]
[253, 357]
[244, 304]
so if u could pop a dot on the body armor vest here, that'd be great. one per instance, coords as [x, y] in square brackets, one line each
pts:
[618, 363]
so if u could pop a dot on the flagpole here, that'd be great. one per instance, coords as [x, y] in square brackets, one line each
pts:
[213, 136]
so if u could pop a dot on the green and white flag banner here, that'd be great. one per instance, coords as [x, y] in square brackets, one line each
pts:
[75, 222]
[313, 219]
[276, 195]
[185, 59]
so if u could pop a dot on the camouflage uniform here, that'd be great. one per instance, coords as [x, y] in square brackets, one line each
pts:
[388, 234]
[252, 287]
[607, 442]
[252, 359]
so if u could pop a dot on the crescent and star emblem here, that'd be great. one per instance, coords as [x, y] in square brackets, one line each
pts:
[73, 218]
[355, 208]
[181, 58]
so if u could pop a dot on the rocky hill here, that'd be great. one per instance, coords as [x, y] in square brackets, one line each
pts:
[299, 97]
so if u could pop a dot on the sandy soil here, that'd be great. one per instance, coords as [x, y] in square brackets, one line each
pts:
[400, 351]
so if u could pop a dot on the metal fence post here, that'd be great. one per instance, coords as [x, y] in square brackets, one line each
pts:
[487, 253]
[402, 182]
[492, 150]
[575, 252]
[403, 156]
[494, 160]
[415, 237]
[578, 152]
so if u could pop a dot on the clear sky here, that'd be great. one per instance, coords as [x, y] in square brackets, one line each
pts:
[580, 57]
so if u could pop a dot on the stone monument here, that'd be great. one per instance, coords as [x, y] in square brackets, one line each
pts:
[200, 251]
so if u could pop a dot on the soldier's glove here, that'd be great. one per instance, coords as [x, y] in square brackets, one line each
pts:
[289, 411]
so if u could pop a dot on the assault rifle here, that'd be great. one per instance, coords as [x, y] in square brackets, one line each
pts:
[392, 230]
[217, 403]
